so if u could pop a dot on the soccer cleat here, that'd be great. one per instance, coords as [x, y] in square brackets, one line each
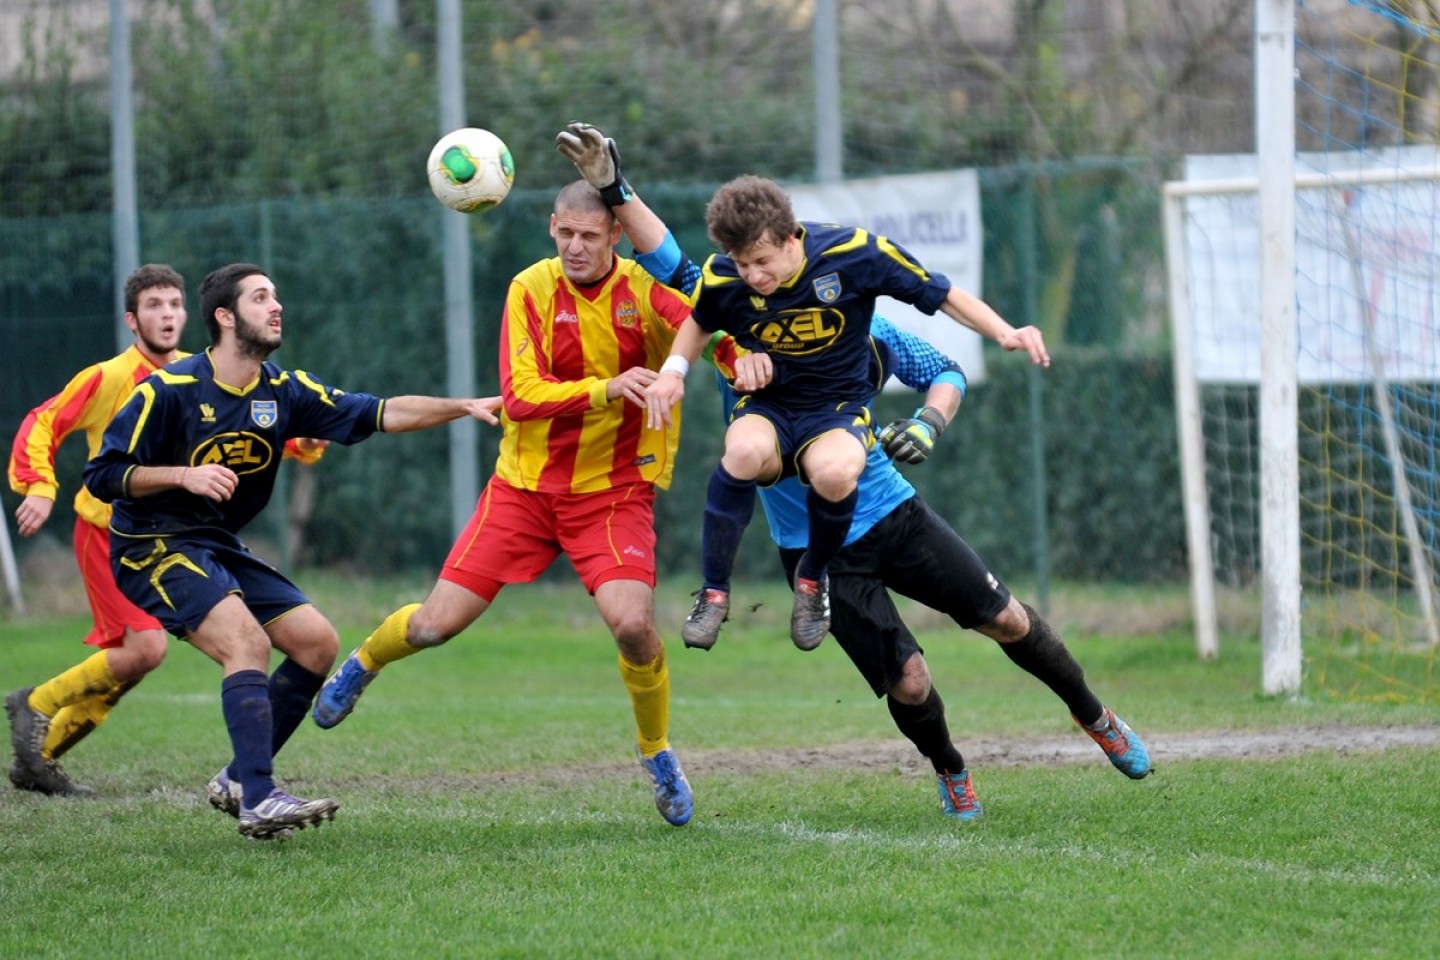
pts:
[702, 626]
[672, 791]
[957, 795]
[1122, 746]
[810, 618]
[225, 794]
[28, 728]
[50, 779]
[337, 698]
[278, 814]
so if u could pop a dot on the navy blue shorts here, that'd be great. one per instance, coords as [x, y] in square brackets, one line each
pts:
[797, 428]
[179, 579]
[915, 553]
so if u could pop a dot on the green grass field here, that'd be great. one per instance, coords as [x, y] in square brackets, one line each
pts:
[491, 808]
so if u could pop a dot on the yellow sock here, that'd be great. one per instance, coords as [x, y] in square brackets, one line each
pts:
[388, 644]
[88, 678]
[649, 686]
[77, 721]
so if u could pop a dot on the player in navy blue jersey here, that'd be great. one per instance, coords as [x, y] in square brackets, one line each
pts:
[804, 294]
[188, 461]
[895, 541]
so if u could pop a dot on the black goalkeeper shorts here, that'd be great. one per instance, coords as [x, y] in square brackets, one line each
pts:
[915, 553]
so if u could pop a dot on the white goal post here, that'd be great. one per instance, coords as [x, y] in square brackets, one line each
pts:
[1366, 252]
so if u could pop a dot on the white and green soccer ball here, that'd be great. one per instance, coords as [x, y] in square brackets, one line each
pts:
[470, 169]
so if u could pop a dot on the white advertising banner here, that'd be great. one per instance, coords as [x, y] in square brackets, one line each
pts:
[1366, 256]
[934, 216]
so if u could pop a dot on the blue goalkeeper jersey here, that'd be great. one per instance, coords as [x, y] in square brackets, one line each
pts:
[816, 326]
[180, 416]
[915, 363]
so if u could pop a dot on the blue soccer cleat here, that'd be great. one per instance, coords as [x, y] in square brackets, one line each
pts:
[1121, 744]
[337, 698]
[957, 795]
[672, 791]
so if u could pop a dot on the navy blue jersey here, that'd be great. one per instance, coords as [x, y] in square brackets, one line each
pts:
[180, 417]
[816, 327]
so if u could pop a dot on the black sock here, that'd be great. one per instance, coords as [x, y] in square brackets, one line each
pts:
[292, 690]
[1044, 655]
[924, 725]
[729, 504]
[245, 701]
[829, 523]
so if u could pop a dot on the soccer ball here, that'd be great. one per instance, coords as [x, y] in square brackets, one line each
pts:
[470, 169]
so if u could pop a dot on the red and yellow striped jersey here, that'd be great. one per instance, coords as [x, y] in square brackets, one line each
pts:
[88, 402]
[559, 346]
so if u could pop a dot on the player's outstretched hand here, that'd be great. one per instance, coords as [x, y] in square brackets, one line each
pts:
[661, 397]
[753, 371]
[485, 408]
[1031, 340]
[912, 439]
[32, 513]
[630, 385]
[597, 158]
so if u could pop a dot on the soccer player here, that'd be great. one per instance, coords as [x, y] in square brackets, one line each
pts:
[804, 293]
[187, 462]
[896, 542]
[131, 642]
[583, 335]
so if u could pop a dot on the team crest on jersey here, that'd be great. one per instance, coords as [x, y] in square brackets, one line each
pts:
[627, 314]
[758, 302]
[827, 288]
[207, 413]
[264, 412]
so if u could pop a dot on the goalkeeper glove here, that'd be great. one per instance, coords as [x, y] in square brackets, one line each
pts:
[598, 160]
[911, 439]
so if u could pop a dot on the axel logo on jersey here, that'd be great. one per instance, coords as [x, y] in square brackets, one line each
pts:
[242, 452]
[797, 333]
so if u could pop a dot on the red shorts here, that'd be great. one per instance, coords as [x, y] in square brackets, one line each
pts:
[113, 613]
[514, 535]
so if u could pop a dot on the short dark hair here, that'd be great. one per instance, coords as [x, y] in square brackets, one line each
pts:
[743, 211]
[580, 197]
[220, 290]
[148, 277]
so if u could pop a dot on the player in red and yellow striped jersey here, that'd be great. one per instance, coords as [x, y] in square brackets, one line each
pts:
[584, 333]
[131, 642]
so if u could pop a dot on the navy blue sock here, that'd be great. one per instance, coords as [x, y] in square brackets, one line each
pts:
[245, 700]
[829, 523]
[292, 691]
[729, 504]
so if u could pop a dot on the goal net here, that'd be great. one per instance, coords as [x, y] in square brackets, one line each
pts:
[1367, 310]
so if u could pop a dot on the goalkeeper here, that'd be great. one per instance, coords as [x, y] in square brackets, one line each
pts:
[804, 294]
[896, 541]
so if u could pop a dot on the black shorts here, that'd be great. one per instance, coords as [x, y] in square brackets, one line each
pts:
[915, 553]
[179, 578]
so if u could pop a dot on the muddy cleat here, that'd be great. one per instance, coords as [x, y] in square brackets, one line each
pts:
[702, 626]
[28, 728]
[957, 795]
[1122, 746]
[225, 794]
[50, 779]
[810, 619]
[672, 791]
[278, 814]
[337, 698]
